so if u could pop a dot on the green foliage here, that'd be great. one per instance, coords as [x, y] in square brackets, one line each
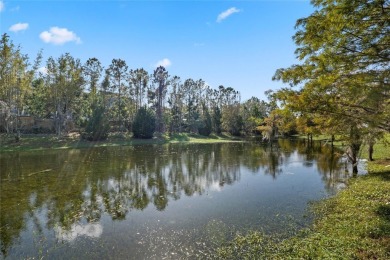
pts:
[64, 81]
[92, 70]
[68, 89]
[144, 123]
[117, 72]
[98, 126]
[15, 80]
[176, 106]
[345, 54]
[217, 120]
[232, 120]
[206, 127]
[139, 79]
[285, 121]
[191, 95]
[160, 76]
[251, 246]
[175, 122]
[253, 112]
[39, 99]
[4, 116]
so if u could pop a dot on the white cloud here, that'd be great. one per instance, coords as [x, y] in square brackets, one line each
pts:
[59, 36]
[164, 62]
[93, 230]
[18, 27]
[225, 14]
[1, 6]
[42, 70]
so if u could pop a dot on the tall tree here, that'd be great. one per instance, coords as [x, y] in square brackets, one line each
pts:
[65, 79]
[175, 102]
[191, 100]
[105, 87]
[206, 126]
[160, 77]
[229, 100]
[232, 120]
[344, 76]
[253, 112]
[16, 76]
[118, 74]
[139, 79]
[92, 70]
[38, 101]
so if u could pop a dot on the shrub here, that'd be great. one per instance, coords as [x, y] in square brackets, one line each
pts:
[97, 127]
[144, 123]
[216, 120]
[207, 126]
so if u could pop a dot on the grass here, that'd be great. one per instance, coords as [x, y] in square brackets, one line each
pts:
[355, 224]
[40, 142]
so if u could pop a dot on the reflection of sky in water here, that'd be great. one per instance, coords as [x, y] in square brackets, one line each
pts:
[92, 230]
[157, 201]
[362, 166]
[215, 186]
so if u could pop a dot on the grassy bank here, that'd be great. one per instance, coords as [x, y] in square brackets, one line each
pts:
[40, 142]
[355, 224]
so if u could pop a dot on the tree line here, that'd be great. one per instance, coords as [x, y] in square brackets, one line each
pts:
[117, 98]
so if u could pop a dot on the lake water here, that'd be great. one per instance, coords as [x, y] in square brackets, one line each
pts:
[174, 201]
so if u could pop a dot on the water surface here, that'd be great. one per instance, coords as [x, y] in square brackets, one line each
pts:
[157, 201]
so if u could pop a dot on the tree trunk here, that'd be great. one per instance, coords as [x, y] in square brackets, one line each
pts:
[354, 149]
[370, 151]
[352, 153]
[354, 170]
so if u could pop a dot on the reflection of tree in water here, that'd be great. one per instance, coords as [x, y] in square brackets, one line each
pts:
[309, 150]
[325, 157]
[266, 159]
[331, 169]
[275, 159]
[27, 184]
[75, 185]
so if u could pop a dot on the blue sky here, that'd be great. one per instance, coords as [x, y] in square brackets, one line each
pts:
[237, 44]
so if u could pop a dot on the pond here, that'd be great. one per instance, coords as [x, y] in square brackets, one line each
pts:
[173, 201]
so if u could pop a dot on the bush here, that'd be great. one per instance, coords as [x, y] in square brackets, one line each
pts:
[207, 126]
[41, 130]
[217, 123]
[97, 127]
[144, 123]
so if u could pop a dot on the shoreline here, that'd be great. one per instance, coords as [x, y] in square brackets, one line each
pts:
[353, 224]
[38, 142]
